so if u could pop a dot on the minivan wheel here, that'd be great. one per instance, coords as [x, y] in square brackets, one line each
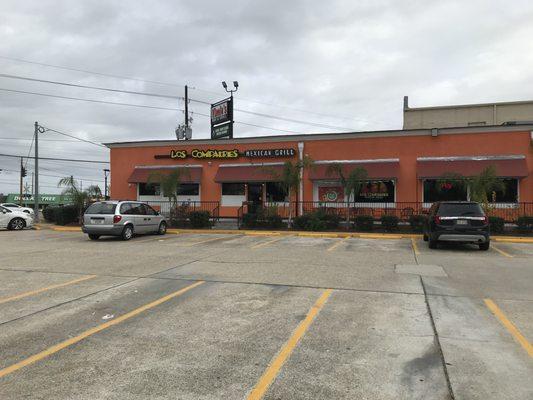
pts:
[127, 232]
[484, 246]
[162, 228]
[94, 237]
[16, 224]
[432, 244]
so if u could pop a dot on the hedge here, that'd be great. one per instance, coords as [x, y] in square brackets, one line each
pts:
[364, 223]
[525, 224]
[49, 213]
[199, 219]
[417, 222]
[263, 217]
[318, 220]
[64, 215]
[496, 224]
[389, 222]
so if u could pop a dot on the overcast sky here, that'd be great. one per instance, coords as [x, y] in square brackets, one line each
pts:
[341, 64]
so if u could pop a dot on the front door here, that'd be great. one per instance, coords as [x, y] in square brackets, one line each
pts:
[255, 196]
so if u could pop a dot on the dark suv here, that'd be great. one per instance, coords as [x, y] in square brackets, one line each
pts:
[457, 221]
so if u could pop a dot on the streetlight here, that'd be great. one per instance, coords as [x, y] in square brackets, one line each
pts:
[106, 174]
[235, 84]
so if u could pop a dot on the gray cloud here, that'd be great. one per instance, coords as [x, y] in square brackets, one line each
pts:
[350, 60]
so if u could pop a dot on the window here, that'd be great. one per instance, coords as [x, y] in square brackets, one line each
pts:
[275, 192]
[101, 208]
[233, 189]
[435, 190]
[126, 208]
[149, 189]
[509, 195]
[188, 189]
[460, 210]
[137, 209]
[148, 210]
[376, 192]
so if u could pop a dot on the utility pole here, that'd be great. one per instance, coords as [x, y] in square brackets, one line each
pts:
[186, 106]
[36, 196]
[21, 177]
[106, 173]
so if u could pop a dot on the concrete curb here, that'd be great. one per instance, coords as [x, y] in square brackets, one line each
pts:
[510, 239]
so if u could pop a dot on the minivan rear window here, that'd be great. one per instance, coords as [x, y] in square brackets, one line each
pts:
[101, 208]
[460, 210]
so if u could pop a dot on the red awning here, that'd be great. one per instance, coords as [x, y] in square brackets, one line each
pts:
[189, 175]
[504, 168]
[375, 170]
[249, 173]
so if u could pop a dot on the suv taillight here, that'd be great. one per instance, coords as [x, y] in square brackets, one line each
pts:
[117, 218]
[485, 220]
[437, 219]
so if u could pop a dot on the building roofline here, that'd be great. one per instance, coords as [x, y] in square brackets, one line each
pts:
[323, 136]
[453, 106]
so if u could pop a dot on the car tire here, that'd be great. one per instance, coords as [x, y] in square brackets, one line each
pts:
[127, 232]
[484, 246]
[162, 228]
[94, 237]
[425, 237]
[16, 224]
[432, 244]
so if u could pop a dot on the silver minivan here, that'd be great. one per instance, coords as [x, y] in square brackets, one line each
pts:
[122, 218]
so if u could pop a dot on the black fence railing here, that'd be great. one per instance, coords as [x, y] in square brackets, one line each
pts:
[510, 212]
[169, 209]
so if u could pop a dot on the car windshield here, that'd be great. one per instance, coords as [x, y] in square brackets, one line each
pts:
[460, 210]
[101, 208]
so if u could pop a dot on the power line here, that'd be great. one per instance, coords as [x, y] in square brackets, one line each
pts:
[177, 85]
[263, 115]
[74, 137]
[138, 105]
[59, 176]
[58, 159]
[40, 140]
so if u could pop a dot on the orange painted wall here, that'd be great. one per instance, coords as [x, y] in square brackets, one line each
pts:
[406, 148]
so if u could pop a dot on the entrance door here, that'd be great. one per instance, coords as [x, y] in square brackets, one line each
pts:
[255, 196]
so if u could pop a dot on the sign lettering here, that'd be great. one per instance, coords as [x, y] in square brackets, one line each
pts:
[227, 154]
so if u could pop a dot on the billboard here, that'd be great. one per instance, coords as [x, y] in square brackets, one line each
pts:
[222, 119]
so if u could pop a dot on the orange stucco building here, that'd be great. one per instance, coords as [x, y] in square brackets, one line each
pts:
[402, 166]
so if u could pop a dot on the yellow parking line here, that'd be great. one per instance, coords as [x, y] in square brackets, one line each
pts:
[415, 246]
[263, 244]
[37, 291]
[273, 369]
[501, 251]
[513, 330]
[96, 329]
[337, 244]
[205, 241]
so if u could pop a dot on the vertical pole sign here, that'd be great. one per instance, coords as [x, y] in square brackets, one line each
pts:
[222, 119]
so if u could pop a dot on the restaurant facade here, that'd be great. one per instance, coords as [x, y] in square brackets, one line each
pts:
[403, 166]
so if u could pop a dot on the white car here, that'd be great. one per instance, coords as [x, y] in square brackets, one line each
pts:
[16, 207]
[14, 219]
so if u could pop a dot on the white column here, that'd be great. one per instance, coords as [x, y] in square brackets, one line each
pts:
[301, 189]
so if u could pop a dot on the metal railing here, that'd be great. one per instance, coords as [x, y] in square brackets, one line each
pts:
[510, 212]
[169, 209]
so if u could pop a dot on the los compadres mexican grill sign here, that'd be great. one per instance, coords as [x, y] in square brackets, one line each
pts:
[228, 154]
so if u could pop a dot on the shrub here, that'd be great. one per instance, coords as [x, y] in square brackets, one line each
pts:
[497, 224]
[274, 222]
[200, 219]
[64, 215]
[318, 220]
[49, 213]
[249, 220]
[364, 223]
[179, 216]
[389, 222]
[525, 224]
[417, 222]
[264, 217]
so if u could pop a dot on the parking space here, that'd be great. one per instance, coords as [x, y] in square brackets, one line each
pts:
[210, 316]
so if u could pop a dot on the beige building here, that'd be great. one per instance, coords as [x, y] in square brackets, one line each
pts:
[509, 113]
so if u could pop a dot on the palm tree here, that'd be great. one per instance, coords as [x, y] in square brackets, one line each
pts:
[94, 192]
[169, 184]
[79, 197]
[290, 177]
[480, 185]
[352, 184]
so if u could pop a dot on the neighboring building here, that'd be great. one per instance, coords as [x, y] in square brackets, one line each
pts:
[507, 113]
[403, 166]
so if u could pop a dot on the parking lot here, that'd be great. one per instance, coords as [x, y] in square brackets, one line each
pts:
[234, 316]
